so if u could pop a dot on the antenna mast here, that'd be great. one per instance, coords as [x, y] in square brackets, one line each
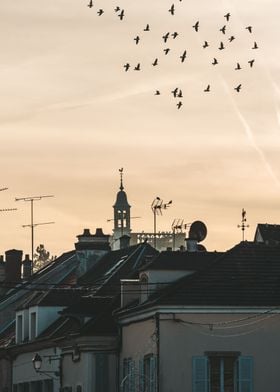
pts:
[157, 206]
[6, 209]
[32, 224]
[243, 225]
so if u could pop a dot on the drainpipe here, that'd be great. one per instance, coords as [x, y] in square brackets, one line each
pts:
[158, 348]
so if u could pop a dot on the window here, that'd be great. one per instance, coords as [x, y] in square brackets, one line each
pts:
[222, 372]
[148, 374]
[128, 379]
[101, 373]
[19, 328]
[32, 325]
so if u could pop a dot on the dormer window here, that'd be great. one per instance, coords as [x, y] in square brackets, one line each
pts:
[144, 284]
[32, 323]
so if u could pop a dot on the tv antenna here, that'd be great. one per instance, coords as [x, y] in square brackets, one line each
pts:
[32, 224]
[177, 227]
[243, 225]
[157, 206]
[6, 209]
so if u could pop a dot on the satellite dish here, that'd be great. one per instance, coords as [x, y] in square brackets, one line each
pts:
[198, 231]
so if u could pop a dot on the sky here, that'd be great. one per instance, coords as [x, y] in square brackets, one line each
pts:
[70, 117]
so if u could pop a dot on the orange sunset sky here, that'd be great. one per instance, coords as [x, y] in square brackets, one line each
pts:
[70, 116]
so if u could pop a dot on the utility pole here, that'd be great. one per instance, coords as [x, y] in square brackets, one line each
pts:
[157, 206]
[32, 224]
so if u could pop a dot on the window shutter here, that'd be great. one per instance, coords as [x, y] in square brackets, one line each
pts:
[200, 374]
[245, 374]
[141, 376]
[131, 375]
[153, 374]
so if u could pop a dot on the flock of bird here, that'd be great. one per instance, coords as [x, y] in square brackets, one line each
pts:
[167, 36]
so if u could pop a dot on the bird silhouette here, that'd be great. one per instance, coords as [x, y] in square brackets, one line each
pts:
[221, 47]
[165, 37]
[237, 67]
[180, 94]
[117, 9]
[172, 9]
[175, 34]
[157, 92]
[238, 88]
[121, 15]
[207, 89]
[183, 56]
[251, 62]
[227, 16]
[174, 92]
[100, 12]
[255, 46]
[179, 104]
[137, 68]
[166, 51]
[215, 61]
[196, 25]
[137, 39]
[249, 28]
[205, 44]
[155, 62]
[126, 67]
[231, 38]
[223, 29]
[90, 4]
[147, 28]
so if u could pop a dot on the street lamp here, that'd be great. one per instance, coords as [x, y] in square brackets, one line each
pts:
[157, 206]
[37, 364]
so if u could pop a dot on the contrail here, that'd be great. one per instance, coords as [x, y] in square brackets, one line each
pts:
[250, 137]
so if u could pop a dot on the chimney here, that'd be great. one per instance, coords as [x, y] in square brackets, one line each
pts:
[124, 241]
[2, 269]
[26, 268]
[13, 265]
[191, 245]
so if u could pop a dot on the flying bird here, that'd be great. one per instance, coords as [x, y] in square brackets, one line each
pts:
[172, 9]
[249, 28]
[165, 37]
[231, 38]
[251, 62]
[180, 94]
[137, 68]
[100, 12]
[223, 29]
[147, 28]
[166, 51]
[126, 66]
[179, 104]
[205, 44]
[207, 89]
[255, 46]
[121, 15]
[238, 88]
[137, 39]
[221, 47]
[227, 16]
[183, 56]
[90, 4]
[175, 34]
[117, 9]
[196, 25]
[174, 92]
[157, 92]
[215, 61]
[155, 62]
[237, 67]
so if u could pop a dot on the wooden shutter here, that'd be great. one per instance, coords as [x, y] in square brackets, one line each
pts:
[153, 373]
[131, 375]
[200, 374]
[141, 376]
[245, 374]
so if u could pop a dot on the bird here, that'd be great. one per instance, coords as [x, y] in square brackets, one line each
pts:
[147, 28]
[100, 12]
[121, 15]
[205, 44]
[221, 47]
[175, 34]
[249, 28]
[90, 4]
[174, 92]
[215, 61]
[238, 88]
[179, 104]
[251, 62]
[166, 51]
[137, 68]
[126, 67]
[183, 56]
[223, 29]
[117, 9]
[180, 94]
[255, 46]
[155, 62]
[172, 9]
[137, 39]
[231, 38]
[157, 92]
[237, 66]
[227, 16]
[165, 37]
[207, 89]
[196, 25]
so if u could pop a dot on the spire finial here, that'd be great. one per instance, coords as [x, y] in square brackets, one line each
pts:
[121, 174]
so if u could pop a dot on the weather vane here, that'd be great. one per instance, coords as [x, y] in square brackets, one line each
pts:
[243, 225]
[121, 174]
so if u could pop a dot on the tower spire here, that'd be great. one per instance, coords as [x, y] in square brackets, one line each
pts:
[121, 175]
